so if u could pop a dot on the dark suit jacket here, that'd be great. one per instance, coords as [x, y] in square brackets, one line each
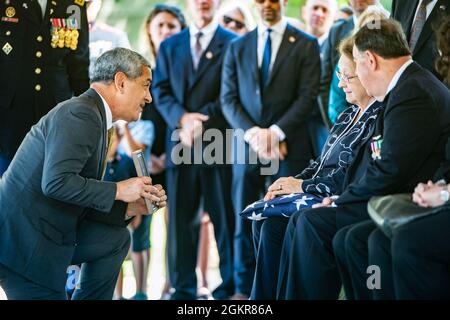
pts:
[63, 72]
[415, 127]
[177, 88]
[330, 56]
[291, 92]
[52, 183]
[425, 52]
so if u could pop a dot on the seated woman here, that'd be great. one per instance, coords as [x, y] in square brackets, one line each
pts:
[323, 178]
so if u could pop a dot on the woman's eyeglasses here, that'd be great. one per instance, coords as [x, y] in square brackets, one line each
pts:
[227, 20]
[343, 77]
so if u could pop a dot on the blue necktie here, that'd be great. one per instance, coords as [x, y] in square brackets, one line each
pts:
[267, 55]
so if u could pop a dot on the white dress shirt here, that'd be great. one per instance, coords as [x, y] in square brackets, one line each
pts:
[208, 34]
[276, 37]
[397, 76]
[108, 112]
[43, 4]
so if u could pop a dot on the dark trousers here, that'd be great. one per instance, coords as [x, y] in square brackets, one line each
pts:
[190, 189]
[101, 250]
[249, 186]
[268, 238]
[420, 255]
[308, 268]
[352, 256]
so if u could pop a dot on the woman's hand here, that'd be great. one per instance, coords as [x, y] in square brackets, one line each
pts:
[285, 185]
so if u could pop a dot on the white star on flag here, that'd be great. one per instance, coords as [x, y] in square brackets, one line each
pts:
[256, 217]
[266, 205]
[301, 201]
[250, 206]
[288, 196]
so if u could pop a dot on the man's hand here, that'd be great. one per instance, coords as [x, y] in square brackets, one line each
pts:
[137, 208]
[285, 185]
[160, 193]
[192, 127]
[265, 142]
[157, 164]
[132, 189]
[428, 195]
[326, 202]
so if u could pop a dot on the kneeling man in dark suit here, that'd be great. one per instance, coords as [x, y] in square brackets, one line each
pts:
[55, 210]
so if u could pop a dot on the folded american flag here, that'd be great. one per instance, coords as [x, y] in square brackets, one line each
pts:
[282, 206]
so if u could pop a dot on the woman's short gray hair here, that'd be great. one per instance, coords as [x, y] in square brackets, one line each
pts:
[118, 60]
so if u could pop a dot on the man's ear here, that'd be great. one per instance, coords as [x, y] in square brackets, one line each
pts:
[119, 81]
[372, 60]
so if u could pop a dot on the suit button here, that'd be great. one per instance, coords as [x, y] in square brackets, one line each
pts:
[37, 70]
[39, 38]
[8, 33]
[38, 54]
[38, 87]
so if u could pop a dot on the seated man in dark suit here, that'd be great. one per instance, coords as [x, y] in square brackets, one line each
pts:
[410, 268]
[407, 146]
[54, 209]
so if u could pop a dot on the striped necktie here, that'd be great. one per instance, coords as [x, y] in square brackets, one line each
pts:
[108, 146]
[198, 50]
[418, 24]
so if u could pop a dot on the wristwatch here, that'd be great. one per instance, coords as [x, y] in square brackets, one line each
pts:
[445, 196]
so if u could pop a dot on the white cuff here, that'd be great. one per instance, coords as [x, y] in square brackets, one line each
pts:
[248, 134]
[278, 131]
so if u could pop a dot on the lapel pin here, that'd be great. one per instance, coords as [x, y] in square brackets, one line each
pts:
[291, 39]
[209, 55]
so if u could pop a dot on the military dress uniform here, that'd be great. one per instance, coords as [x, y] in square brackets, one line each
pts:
[44, 59]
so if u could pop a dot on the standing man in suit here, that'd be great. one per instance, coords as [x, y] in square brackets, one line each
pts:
[420, 20]
[330, 54]
[42, 63]
[407, 146]
[54, 209]
[186, 90]
[269, 87]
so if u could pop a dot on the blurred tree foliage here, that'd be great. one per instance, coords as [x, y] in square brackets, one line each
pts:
[129, 15]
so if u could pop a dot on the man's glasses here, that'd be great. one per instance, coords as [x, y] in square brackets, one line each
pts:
[343, 77]
[227, 20]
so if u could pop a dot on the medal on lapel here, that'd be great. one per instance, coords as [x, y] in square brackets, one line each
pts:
[375, 146]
